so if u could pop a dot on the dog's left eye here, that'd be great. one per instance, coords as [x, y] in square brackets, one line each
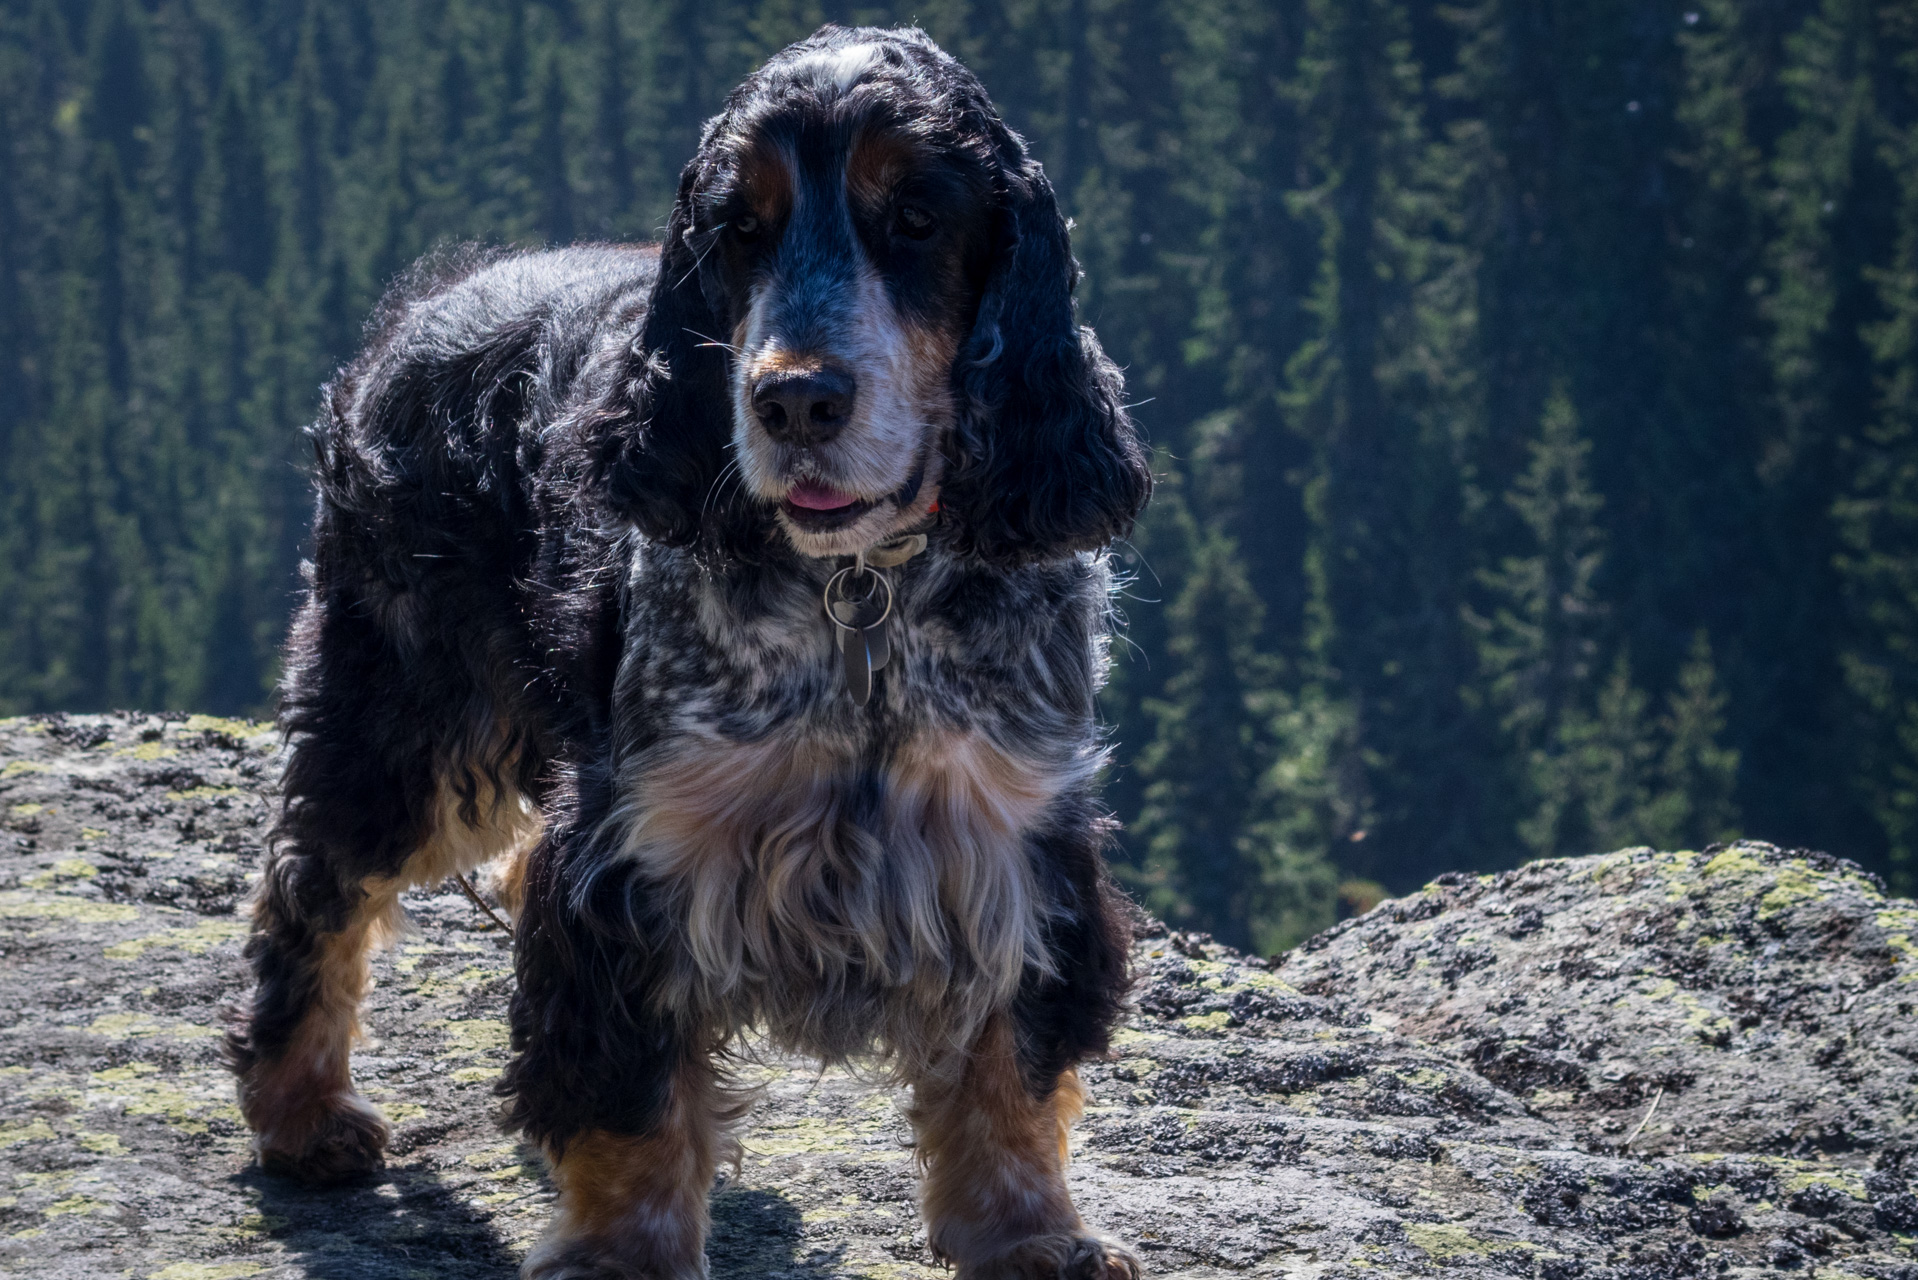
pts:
[915, 222]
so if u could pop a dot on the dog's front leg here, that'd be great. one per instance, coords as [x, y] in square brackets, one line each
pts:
[632, 1206]
[628, 1105]
[994, 1155]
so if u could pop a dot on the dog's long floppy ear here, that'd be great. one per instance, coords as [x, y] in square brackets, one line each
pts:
[662, 449]
[1046, 461]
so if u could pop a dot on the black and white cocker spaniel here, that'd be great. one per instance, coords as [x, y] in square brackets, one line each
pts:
[745, 598]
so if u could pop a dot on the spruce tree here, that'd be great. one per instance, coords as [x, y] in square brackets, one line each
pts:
[1352, 255]
[1698, 776]
[1205, 760]
[1538, 645]
[1592, 769]
[1581, 746]
[245, 215]
[552, 179]
[613, 158]
[1308, 807]
[1831, 198]
[1238, 779]
[1234, 151]
[1878, 516]
[1592, 780]
[1381, 412]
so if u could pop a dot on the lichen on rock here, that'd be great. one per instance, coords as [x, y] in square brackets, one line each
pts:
[1619, 1067]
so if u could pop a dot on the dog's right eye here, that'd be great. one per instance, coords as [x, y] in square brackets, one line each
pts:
[915, 222]
[746, 225]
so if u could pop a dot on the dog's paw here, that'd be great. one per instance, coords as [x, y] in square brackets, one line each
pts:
[333, 1139]
[1065, 1256]
[585, 1259]
[578, 1268]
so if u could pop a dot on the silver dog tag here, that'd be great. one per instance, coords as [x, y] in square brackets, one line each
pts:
[858, 663]
[879, 643]
[859, 602]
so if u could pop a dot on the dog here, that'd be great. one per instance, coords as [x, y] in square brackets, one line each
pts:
[745, 598]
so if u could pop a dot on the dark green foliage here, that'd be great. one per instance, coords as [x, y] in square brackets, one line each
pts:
[1878, 516]
[1588, 768]
[1535, 385]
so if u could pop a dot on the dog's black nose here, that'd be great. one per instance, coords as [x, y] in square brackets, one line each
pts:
[804, 406]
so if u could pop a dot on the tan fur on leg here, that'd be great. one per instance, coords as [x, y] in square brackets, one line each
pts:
[307, 1119]
[634, 1205]
[507, 879]
[994, 1157]
[504, 827]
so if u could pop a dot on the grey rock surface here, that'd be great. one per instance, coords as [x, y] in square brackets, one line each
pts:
[1636, 1065]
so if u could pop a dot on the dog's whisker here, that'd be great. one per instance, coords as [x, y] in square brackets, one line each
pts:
[697, 262]
[711, 341]
[713, 491]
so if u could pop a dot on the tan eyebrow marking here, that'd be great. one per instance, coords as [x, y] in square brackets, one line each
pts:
[766, 180]
[876, 162]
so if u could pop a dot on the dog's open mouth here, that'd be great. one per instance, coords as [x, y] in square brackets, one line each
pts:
[820, 508]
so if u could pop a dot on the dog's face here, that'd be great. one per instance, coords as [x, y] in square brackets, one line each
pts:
[852, 241]
[864, 314]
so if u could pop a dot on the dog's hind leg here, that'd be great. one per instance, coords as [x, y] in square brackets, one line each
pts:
[315, 925]
[372, 806]
[312, 932]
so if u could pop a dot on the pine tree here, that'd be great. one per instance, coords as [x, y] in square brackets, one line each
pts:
[1593, 779]
[1354, 256]
[1237, 805]
[1235, 153]
[1205, 760]
[1307, 806]
[1381, 413]
[119, 97]
[18, 407]
[1575, 764]
[1726, 477]
[1832, 198]
[246, 223]
[552, 179]
[614, 159]
[1878, 517]
[1592, 769]
[16, 334]
[1538, 646]
[1698, 777]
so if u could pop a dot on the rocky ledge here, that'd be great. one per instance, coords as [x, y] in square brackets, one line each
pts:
[1635, 1065]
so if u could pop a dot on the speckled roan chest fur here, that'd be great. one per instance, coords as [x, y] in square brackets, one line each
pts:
[855, 878]
[576, 512]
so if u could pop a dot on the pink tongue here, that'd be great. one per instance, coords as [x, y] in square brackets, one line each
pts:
[818, 497]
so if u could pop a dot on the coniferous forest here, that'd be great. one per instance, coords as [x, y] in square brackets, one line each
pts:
[1534, 382]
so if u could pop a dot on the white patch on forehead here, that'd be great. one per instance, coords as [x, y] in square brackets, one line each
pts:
[839, 67]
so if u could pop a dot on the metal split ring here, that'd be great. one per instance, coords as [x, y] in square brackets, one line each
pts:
[832, 582]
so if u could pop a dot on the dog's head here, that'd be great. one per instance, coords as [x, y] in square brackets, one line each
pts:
[864, 314]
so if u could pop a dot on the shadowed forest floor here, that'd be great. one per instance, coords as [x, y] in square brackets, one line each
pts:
[1635, 1065]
